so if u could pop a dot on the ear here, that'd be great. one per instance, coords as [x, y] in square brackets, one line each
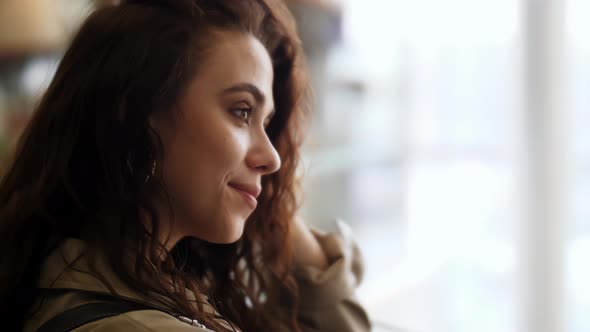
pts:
[157, 129]
[160, 123]
[153, 122]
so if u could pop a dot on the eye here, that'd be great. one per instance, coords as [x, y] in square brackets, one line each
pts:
[244, 114]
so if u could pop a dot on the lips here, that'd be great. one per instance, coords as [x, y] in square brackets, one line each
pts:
[250, 193]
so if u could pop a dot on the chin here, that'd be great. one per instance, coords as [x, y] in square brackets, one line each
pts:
[226, 235]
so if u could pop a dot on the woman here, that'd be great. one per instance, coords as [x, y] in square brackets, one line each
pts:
[159, 171]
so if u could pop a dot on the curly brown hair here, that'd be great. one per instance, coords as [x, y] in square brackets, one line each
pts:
[80, 166]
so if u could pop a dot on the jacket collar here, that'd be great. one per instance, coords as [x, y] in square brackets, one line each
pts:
[67, 268]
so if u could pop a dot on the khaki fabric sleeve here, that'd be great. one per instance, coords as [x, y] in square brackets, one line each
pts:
[327, 297]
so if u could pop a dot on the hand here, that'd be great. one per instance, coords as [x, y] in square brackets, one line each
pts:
[306, 248]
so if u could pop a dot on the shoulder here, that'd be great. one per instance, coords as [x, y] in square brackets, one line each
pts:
[140, 321]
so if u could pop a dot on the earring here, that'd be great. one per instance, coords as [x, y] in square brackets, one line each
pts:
[152, 171]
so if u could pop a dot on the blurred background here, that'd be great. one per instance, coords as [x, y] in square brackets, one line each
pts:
[453, 136]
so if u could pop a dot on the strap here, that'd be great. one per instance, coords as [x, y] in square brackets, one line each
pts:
[87, 313]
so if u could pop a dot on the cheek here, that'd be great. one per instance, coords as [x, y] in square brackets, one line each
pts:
[201, 160]
[214, 154]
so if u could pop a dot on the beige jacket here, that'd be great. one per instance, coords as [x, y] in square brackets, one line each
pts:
[327, 297]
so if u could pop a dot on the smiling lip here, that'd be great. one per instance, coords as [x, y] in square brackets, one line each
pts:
[249, 193]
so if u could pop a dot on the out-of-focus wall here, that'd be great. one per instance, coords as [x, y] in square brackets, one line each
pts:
[28, 26]
[33, 35]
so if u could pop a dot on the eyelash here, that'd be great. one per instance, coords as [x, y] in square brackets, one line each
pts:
[244, 110]
[249, 111]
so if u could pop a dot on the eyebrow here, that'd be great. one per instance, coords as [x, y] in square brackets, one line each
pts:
[251, 89]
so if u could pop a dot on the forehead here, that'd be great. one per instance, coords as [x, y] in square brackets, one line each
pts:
[236, 58]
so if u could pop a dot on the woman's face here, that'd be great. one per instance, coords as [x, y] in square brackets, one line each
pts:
[215, 145]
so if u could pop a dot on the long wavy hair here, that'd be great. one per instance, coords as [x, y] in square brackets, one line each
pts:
[80, 166]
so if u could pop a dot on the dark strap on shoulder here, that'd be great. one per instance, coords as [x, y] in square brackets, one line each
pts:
[87, 313]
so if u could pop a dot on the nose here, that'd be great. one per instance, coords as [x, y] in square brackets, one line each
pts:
[263, 157]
